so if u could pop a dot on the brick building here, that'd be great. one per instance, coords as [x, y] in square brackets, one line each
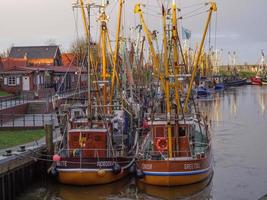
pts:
[38, 71]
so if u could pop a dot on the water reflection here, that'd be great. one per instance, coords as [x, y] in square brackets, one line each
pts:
[99, 192]
[200, 191]
[239, 126]
[125, 189]
[262, 100]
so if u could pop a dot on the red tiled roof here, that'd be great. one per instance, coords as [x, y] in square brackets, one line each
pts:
[69, 59]
[65, 69]
[16, 70]
[9, 63]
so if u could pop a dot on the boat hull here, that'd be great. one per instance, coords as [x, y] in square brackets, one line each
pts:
[92, 171]
[174, 173]
[88, 177]
[234, 83]
[256, 81]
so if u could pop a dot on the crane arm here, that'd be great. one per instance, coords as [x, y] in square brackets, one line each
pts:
[85, 23]
[213, 8]
[115, 58]
[138, 10]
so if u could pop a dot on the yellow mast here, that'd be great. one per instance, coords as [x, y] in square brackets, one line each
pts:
[167, 85]
[84, 20]
[117, 47]
[213, 7]
[175, 54]
[103, 19]
[154, 56]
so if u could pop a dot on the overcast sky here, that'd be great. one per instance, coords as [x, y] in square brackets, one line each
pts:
[241, 24]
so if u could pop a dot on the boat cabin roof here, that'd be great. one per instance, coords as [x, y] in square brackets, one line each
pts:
[188, 121]
[90, 130]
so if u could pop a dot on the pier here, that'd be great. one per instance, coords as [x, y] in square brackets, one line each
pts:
[20, 165]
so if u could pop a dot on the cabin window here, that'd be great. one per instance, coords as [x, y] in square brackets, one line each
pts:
[182, 131]
[11, 80]
[77, 114]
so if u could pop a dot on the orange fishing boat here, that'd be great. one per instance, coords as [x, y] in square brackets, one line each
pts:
[191, 159]
[97, 147]
[175, 148]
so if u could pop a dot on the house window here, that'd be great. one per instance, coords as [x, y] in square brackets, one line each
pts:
[11, 80]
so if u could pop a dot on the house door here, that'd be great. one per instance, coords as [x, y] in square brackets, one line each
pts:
[26, 83]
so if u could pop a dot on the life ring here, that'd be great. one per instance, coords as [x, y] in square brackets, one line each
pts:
[162, 144]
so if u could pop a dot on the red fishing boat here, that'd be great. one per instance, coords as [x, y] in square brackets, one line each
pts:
[256, 80]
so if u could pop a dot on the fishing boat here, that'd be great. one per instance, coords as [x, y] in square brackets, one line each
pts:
[260, 77]
[190, 159]
[97, 147]
[234, 82]
[202, 91]
[256, 80]
[175, 146]
[219, 87]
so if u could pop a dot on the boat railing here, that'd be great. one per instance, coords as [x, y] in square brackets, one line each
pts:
[176, 155]
[93, 153]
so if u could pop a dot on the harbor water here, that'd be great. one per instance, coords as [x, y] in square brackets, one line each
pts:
[238, 118]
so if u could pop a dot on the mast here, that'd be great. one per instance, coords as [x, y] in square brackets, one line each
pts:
[84, 19]
[117, 47]
[89, 111]
[175, 54]
[167, 85]
[213, 7]
[156, 67]
[103, 19]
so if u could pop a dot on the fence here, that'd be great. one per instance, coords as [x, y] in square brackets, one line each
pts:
[13, 101]
[23, 121]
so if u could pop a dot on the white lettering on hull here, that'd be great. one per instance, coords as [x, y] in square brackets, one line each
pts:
[104, 163]
[146, 166]
[191, 166]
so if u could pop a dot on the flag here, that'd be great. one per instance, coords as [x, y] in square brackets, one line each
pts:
[262, 53]
[186, 34]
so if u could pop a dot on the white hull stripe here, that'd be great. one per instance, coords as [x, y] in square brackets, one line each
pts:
[189, 173]
[82, 170]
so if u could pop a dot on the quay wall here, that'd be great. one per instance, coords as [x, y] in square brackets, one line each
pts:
[17, 172]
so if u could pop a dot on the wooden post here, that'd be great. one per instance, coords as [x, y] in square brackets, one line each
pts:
[49, 137]
[33, 117]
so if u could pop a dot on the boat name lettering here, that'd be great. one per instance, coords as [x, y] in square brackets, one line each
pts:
[104, 163]
[63, 163]
[191, 166]
[146, 166]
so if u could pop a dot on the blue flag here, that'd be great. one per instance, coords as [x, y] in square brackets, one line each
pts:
[186, 34]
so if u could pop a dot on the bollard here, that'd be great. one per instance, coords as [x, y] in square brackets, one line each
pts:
[22, 148]
[8, 153]
[49, 137]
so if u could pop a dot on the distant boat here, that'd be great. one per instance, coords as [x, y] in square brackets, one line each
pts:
[219, 86]
[235, 82]
[264, 81]
[202, 91]
[261, 73]
[256, 80]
